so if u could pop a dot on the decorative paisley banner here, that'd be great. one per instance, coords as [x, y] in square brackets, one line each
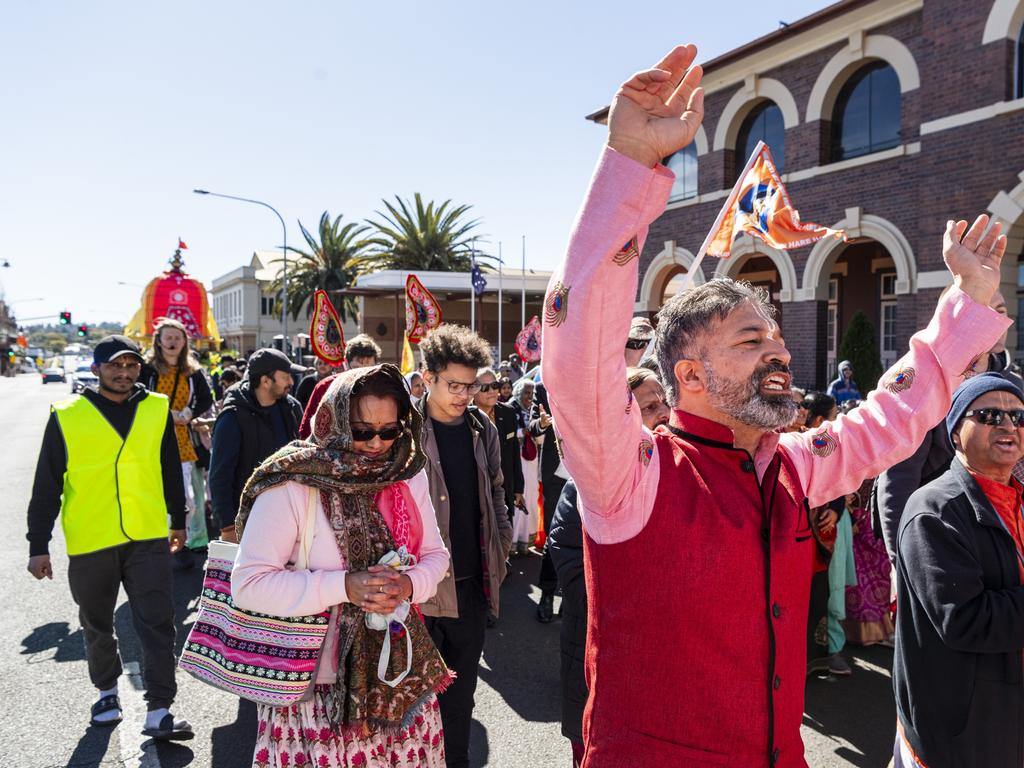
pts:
[528, 341]
[422, 312]
[325, 333]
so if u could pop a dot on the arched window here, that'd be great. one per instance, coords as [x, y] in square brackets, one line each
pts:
[763, 124]
[684, 165]
[1019, 84]
[867, 114]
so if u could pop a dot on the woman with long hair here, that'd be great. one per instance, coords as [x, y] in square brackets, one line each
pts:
[171, 369]
[364, 465]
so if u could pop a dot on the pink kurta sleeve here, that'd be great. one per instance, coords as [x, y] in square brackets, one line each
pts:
[911, 398]
[433, 557]
[587, 315]
[260, 581]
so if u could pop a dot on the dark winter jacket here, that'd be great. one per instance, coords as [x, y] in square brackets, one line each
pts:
[894, 486]
[565, 545]
[511, 462]
[959, 629]
[245, 434]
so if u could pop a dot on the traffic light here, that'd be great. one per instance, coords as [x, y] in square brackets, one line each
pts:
[11, 357]
[83, 331]
[65, 318]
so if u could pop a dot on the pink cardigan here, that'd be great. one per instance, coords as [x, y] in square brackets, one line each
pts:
[260, 581]
[618, 479]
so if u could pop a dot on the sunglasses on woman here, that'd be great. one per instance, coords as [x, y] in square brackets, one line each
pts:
[366, 435]
[993, 417]
[495, 385]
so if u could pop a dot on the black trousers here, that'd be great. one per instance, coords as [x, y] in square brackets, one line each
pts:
[461, 643]
[548, 579]
[144, 568]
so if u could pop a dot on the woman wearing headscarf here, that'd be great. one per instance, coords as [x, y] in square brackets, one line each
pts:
[363, 461]
[524, 527]
[416, 386]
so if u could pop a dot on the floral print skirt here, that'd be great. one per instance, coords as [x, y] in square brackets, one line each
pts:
[300, 736]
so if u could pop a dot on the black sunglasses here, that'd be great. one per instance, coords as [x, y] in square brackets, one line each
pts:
[993, 417]
[366, 435]
[495, 385]
[636, 344]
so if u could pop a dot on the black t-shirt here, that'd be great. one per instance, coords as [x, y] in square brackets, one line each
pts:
[455, 447]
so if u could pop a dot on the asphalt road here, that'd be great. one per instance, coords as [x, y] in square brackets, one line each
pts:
[46, 694]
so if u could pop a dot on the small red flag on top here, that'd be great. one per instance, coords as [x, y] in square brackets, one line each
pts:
[181, 245]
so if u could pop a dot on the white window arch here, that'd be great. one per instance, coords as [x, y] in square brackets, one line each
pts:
[859, 51]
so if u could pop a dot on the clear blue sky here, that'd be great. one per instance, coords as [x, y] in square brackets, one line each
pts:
[114, 112]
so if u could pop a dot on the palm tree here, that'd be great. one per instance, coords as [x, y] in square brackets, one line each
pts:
[427, 238]
[329, 264]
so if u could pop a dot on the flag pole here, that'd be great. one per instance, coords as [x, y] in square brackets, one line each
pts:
[729, 203]
[472, 288]
[523, 297]
[499, 298]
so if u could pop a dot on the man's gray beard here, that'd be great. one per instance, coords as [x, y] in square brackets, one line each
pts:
[743, 401]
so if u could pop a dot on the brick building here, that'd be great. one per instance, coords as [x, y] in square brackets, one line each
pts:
[887, 118]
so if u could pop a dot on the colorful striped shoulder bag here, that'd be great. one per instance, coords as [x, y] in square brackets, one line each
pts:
[267, 659]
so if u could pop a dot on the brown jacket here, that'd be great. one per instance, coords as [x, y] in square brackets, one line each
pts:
[497, 530]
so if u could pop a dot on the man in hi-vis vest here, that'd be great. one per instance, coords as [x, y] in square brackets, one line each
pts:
[109, 466]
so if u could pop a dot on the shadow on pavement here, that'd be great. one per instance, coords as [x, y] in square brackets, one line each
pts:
[521, 655]
[232, 745]
[57, 634]
[171, 755]
[91, 748]
[479, 746]
[870, 729]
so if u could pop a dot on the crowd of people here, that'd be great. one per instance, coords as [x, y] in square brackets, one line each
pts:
[684, 473]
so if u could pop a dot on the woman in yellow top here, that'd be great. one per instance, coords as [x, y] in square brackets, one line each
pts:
[172, 370]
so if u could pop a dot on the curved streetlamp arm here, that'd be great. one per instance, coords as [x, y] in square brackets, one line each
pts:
[284, 251]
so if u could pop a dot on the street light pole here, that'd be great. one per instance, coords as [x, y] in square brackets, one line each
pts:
[284, 255]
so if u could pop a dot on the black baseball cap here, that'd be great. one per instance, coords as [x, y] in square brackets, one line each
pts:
[264, 362]
[112, 347]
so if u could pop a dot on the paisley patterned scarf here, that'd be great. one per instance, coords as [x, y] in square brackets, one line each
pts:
[348, 482]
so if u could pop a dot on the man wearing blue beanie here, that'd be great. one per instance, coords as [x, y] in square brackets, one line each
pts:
[960, 600]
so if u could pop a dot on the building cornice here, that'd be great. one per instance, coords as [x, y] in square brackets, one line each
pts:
[832, 24]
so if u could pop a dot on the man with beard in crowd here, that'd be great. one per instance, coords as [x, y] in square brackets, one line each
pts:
[259, 416]
[707, 518]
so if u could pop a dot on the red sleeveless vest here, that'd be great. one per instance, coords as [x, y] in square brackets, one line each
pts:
[696, 642]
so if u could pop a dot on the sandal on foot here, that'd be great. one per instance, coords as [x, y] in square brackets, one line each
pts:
[170, 730]
[104, 705]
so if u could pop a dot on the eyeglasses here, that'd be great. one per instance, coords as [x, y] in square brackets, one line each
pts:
[993, 417]
[636, 344]
[366, 435]
[133, 366]
[495, 385]
[459, 388]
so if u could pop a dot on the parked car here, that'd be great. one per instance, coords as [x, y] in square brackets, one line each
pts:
[82, 377]
[27, 365]
[53, 374]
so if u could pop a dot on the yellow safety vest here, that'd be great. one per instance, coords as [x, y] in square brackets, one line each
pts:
[113, 488]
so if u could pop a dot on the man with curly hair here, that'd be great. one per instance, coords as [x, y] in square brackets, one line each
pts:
[467, 490]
